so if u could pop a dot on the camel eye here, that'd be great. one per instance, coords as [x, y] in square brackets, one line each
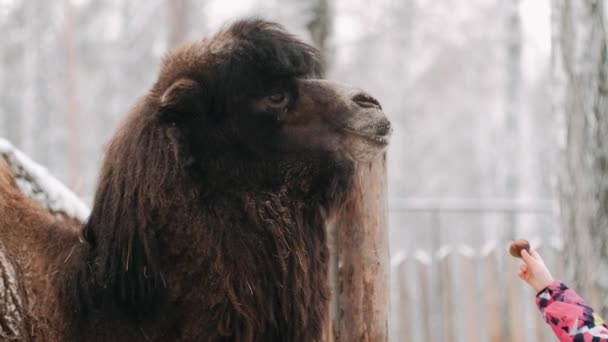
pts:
[277, 99]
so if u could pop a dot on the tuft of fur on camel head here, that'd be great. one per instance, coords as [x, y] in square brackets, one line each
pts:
[208, 222]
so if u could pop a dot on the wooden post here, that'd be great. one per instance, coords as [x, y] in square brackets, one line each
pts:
[491, 269]
[466, 258]
[360, 260]
[514, 307]
[444, 262]
[424, 264]
[406, 300]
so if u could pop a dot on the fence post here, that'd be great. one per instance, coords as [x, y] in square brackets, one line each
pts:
[360, 257]
[490, 267]
[514, 304]
[445, 293]
[540, 327]
[407, 299]
[468, 293]
[423, 280]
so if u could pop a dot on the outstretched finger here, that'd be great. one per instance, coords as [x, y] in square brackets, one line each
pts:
[535, 254]
[526, 257]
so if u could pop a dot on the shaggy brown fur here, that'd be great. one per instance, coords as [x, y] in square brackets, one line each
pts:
[208, 223]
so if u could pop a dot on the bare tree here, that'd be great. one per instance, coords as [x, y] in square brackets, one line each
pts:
[32, 33]
[319, 26]
[178, 21]
[72, 103]
[580, 65]
[508, 180]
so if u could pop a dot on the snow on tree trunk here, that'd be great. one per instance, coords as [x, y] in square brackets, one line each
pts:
[580, 66]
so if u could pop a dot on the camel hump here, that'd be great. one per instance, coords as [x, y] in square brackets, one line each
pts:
[13, 322]
[19, 172]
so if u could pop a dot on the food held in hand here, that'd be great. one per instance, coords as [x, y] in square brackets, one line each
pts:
[516, 247]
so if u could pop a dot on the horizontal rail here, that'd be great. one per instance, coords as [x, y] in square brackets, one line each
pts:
[542, 206]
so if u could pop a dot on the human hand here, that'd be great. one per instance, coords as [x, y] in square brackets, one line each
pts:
[534, 271]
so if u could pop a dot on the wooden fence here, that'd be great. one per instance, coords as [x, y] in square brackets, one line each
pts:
[461, 294]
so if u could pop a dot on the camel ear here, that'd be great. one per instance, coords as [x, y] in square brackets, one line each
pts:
[183, 99]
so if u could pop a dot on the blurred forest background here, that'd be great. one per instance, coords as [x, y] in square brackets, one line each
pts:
[498, 108]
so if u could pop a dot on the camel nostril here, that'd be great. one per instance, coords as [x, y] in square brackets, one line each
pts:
[366, 101]
[384, 128]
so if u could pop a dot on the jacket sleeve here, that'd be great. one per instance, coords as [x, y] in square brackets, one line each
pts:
[569, 316]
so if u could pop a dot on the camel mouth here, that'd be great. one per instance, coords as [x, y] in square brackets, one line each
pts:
[378, 136]
[376, 132]
[380, 141]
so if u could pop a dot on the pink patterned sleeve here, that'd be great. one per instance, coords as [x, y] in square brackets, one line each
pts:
[569, 316]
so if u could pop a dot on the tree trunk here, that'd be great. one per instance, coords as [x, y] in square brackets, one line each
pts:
[3, 111]
[580, 66]
[509, 182]
[360, 260]
[30, 98]
[319, 27]
[178, 22]
[72, 103]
